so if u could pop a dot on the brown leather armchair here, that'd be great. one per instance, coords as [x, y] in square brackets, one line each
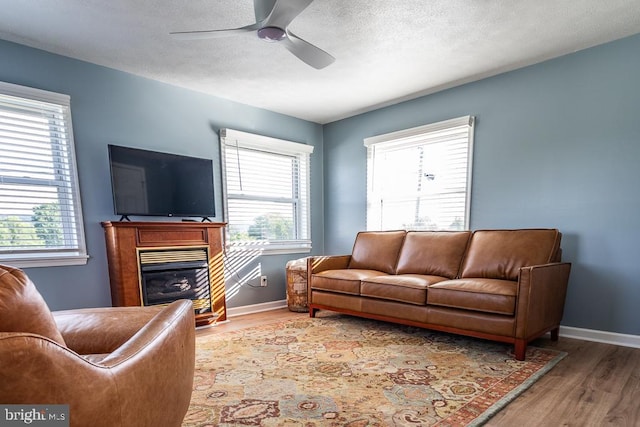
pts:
[121, 366]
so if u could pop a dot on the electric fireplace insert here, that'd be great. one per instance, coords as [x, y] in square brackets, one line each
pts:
[167, 275]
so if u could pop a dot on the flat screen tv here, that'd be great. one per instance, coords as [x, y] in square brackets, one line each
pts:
[152, 183]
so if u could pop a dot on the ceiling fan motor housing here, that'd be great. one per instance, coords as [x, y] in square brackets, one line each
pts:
[271, 34]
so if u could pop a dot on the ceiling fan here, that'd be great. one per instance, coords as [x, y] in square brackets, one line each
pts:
[272, 19]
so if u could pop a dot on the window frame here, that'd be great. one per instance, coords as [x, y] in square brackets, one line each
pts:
[234, 139]
[411, 138]
[76, 254]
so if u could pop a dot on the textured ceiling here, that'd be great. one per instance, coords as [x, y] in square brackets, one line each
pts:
[386, 51]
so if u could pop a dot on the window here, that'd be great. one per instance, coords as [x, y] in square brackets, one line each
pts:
[420, 178]
[40, 213]
[266, 192]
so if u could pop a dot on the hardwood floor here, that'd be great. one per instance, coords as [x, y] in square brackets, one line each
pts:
[594, 385]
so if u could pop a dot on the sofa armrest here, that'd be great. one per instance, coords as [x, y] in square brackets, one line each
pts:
[542, 290]
[317, 264]
[103, 329]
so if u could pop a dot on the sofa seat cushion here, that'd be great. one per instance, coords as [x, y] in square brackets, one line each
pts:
[409, 288]
[486, 295]
[345, 281]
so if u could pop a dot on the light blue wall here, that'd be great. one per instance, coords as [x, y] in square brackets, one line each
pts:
[556, 145]
[112, 107]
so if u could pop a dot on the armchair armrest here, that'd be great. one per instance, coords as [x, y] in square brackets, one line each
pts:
[103, 329]
[158, 361]
[37, 370]
[171, 321]
[542, 290]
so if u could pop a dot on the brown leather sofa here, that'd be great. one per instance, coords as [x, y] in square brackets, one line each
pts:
[125, 366]
[502, 285]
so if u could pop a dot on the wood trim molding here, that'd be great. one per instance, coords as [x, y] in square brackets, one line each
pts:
[605, 337]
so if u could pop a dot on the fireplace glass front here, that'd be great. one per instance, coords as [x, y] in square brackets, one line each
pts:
[168, 275]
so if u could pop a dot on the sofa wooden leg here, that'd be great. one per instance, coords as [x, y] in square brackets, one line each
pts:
[520, 349]
[555, 334]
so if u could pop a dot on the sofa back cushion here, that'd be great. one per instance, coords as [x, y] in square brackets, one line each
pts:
[22, 308]
[377, 250]
[437, 253]
[499, 254]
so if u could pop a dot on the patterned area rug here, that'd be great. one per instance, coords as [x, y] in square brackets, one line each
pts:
[346, 371]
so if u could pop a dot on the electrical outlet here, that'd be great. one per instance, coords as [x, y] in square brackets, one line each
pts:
[263, 281]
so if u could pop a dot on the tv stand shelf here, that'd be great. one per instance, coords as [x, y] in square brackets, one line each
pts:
[125, 241]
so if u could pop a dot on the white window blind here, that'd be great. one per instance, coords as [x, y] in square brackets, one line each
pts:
[266, 192]
[40, 213]
[420, 178]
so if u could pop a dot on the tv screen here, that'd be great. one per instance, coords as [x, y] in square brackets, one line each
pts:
[160, 184]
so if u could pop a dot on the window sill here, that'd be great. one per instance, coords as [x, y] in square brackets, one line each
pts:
[44, 261]
[269, 248]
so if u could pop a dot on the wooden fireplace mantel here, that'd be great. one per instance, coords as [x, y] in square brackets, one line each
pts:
[125, 240]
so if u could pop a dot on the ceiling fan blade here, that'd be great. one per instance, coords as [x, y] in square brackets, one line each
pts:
[262, 9]
[284, 11]
[213, 34]
[312, 55]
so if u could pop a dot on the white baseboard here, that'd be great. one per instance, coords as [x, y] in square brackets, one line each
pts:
[256, 308]
[624, 340]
